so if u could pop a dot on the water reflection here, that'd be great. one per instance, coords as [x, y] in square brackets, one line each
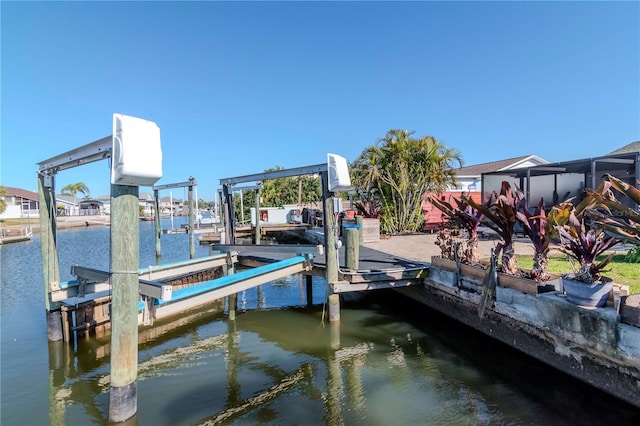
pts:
[388, 361]
[286, 366]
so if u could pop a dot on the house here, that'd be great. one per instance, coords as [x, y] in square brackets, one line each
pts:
[470, 183]
[23, 203]
[20, 203]
[146, 202]
[90, 207]
[633, 147]
[66, 205]
[168, 204]
[106, 203]
[559, 181]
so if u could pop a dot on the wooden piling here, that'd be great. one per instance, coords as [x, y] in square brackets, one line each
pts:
[309, 288]
[49, 252]
[334, 307]
[232, 305]
[232, 299]
[156, 203]
[192, 236]
[331, 251]
[229, 221]
[360, 223]
[352, 248]
[257, 237]
[124, 306]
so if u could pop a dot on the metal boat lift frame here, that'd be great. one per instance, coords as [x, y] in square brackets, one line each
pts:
[327, 203]
[190, 184]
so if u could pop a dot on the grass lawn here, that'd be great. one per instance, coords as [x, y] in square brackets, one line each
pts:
[620, 272]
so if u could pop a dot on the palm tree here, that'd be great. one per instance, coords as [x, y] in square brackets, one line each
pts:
[399, 171]
[74, 188]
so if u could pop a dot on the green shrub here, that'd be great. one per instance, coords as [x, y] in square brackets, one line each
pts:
[633, 256]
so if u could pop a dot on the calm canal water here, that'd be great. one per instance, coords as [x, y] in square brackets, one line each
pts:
[388, 362]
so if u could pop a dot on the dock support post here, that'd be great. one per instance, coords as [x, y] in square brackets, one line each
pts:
[360, 223]
[257, 239]
[309, 285]
[330, 248]
[334, 307]
[49, 252]
[229, 220]
[192, 237]
[125, 241]
[156, 208]
[352, 248]
[232, 299]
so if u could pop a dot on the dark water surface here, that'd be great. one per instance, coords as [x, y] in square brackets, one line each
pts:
[388, 362]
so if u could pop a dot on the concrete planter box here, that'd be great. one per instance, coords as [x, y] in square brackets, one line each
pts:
[466, 270]
[370, 230]
[528, 285]
[525, 285]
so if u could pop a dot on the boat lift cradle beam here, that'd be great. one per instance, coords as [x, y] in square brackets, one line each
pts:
[297, 171]
[91, 280]
[89, 153]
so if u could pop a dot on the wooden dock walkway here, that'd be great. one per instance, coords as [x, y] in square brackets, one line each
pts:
[213, 236]
[377, 269]
[10, 235]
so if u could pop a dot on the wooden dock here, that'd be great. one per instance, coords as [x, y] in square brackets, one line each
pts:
[9, 236]
[169, 289]
[213, 236]
[377, 269]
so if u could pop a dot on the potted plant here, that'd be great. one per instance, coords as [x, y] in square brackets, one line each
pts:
[534, 226]
[371, 210]
[583, 244]
[463, 221]
[618, 219]
[500, 215]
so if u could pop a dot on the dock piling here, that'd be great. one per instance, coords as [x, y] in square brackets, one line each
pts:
[156, 203]
[49, 251]
[192, 237]
[334, 307]
[360, 223]
[309, 289]
[352, 248]
[125, 241]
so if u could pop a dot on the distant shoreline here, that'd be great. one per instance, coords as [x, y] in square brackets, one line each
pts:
[64, 222]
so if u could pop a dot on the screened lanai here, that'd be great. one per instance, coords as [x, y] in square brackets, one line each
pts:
[558, 181]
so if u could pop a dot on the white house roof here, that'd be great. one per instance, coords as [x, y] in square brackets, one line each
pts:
[65, 199]
[494, 166]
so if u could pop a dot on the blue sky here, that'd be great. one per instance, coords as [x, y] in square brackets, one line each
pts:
[239, 87]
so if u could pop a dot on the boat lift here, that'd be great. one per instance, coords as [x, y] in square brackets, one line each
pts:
[135, 151]
[190, 184]
[159, 298]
